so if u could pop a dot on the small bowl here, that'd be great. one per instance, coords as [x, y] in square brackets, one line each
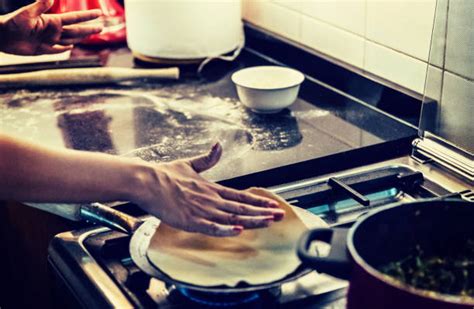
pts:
[267, 89]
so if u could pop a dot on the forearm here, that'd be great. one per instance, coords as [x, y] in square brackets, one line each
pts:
[3, 33]
[37, 174]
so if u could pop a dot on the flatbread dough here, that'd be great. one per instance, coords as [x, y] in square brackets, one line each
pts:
[257, 256]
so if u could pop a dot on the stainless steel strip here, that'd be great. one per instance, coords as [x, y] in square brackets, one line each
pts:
[448, 158]
[74, 244]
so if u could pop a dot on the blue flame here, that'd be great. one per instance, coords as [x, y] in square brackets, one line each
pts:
[245, 299]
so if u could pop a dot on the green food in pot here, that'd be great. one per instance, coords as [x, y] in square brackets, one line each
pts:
[448, 273]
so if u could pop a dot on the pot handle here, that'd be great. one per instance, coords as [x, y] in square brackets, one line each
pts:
[94, 213]
[110, 217]
[337, 263]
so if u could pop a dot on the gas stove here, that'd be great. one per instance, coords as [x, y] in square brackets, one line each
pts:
[97, 269]
[336, 155]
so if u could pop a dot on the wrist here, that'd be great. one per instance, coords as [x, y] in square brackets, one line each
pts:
[142, 179]
[6, 35]
[3, 35]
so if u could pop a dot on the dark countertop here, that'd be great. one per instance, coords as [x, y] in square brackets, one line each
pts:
[161, 121]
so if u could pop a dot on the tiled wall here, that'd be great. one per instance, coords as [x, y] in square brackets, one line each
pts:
[388, 38]
[451, 75]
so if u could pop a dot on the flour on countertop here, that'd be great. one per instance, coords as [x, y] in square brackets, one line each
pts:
[170, 122]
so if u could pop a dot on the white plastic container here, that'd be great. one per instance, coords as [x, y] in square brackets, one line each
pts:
[267, 89]
[183, 29]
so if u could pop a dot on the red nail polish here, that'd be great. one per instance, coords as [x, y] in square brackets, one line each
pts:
[278, 217]
[272, 204]
[238, 228]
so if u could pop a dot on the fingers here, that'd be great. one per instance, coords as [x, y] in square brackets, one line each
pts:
[247, 197]
[207, 209]
[69, 37]
[247, 222]
[70, 41]
[55, 49]
[205, 162]
[79, 31]
[251, 199]
[75, 34]
[79, 17]
[248, 210]
[37, 8]
[215, 229]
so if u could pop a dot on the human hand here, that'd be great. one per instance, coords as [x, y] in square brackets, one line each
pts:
[180, 197]
[29, 31]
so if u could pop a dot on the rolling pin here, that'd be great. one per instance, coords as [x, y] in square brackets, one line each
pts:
[83, 76]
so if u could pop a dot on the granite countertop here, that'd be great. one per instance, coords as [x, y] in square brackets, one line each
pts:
[162, 121]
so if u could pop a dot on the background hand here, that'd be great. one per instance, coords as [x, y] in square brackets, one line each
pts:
[29, 31]
[182, 198]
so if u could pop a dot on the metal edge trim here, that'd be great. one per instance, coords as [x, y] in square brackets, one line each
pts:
[100, 279]
[447, 158]
[310, 182]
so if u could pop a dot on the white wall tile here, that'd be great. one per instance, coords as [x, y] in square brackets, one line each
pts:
[273, 17]
[291, 4]
[457, 110]
[404, 25]
[438, 40]
[346, 14]
[398, 33]
[433, 84]
[460, 39]
[398, 68]
[332, 41]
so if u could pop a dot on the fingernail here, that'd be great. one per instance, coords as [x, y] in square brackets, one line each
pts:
[238, 228]
[215, 146]
[269, 219]
[278, 217]
[272, 204]
[278, 211]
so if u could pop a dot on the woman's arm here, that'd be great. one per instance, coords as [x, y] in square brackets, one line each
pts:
[33, 173]
[174, 192]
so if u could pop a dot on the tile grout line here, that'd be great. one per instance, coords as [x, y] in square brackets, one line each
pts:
[317, 19]
[365, 37]
[300, 22]
[348, 31]
[443, 70]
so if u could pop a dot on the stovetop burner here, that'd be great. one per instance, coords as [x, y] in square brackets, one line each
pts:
[97, 260]
[198, 299]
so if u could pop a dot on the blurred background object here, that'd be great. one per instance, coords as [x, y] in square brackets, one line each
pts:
[170, 32]
[113, 18]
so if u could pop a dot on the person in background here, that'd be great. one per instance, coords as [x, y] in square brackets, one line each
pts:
[175, 192]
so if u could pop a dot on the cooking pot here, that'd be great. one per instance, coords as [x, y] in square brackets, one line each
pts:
[183, 30]
[389, 235]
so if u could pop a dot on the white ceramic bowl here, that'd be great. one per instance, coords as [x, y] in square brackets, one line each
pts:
[267, 89]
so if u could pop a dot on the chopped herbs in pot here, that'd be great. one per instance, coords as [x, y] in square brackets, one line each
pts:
[451, 273]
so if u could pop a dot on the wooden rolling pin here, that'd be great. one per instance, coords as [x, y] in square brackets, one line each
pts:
[82, 76]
